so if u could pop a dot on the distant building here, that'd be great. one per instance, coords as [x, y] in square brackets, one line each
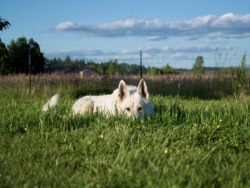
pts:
[88, 73]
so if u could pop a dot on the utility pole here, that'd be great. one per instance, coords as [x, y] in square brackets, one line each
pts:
[141, 63]
[30, 46]
[30, 72]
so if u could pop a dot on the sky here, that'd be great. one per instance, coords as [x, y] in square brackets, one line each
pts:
[167, 32]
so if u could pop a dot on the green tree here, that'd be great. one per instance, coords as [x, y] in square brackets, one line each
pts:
[37, 57]
[4, 24]
[19, 52]
[68, 61]
[91, 65]
[79, 64]
[198, 66]
[18, 55]
[168, 69]
[3, 58]
[113, 68]
[153, 71]
[100, 68]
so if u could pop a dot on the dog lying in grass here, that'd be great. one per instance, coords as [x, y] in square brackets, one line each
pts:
[130, 101]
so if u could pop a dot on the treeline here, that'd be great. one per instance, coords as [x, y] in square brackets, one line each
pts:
[110, 67]
[21, 56]
[24, 56]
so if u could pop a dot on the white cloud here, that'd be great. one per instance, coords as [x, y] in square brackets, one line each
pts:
[227, 26]
[66, 25]
[117, 25]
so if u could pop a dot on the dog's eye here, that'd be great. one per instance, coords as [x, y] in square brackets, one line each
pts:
[139, 109]
[128, 109]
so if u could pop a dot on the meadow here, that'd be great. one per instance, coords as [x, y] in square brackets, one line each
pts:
[200, 136]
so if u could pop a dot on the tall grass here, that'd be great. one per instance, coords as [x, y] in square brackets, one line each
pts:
[186, 85]
[189, 143]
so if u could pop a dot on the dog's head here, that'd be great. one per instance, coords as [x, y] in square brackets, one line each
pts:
[133, 101]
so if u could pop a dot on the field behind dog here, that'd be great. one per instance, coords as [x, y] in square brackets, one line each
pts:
[189, 143]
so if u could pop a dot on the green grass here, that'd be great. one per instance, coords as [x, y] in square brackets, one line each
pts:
[189, 143]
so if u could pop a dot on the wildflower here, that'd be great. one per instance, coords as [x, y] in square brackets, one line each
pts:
[101, 136]
[166, 151]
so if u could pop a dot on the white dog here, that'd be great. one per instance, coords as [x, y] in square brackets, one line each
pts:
[126, 100]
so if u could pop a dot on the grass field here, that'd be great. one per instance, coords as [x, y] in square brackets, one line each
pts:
[189, 143]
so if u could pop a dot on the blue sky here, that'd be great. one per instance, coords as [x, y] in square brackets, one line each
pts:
[173, 32]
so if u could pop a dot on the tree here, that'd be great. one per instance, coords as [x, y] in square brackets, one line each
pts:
[18, 53]
[3, 58]
[4, 24]
[113, 68]
[101, 68]
[168, 69]
[153, 71]
[37, 58]
[198, 66]
[68, 61]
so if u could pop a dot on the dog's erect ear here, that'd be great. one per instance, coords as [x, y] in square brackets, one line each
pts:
[122, 91]
[143, 90]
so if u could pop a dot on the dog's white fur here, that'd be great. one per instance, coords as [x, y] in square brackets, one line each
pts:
[126, 100]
